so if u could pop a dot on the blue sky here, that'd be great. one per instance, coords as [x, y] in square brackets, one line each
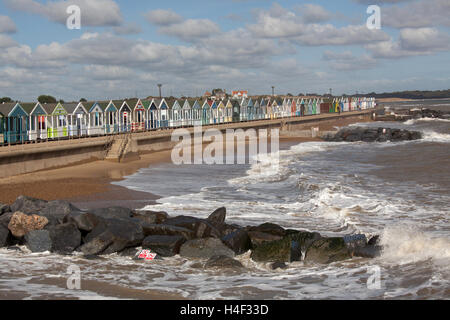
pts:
[124, 48]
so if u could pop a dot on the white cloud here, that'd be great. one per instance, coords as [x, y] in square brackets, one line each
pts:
[7, 25]
[313, 13]
[191, 30]
[346, 61]
[162, 17]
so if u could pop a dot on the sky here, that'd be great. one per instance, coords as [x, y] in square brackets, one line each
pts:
[125, 48]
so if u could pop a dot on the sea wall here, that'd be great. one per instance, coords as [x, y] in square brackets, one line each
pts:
[21, 159]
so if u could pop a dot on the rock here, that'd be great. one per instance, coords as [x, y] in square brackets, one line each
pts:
[4, 208]
[28, 205]
[369, 251]
[287, 249]
[4, 236]
[257, 237]
[5, 219]
[238, 241]
[205, 229]
[38, 240]
[65, 238]
[84, 221]
[201, 227]
[205, 248]
[98, 245]
[124, 233]
[129, 252]
[374, 240]
[113, 213]
[151, 217]
[354, 134]
[56, 211]
[167, 230]
[327, 250]
[166, 246]
[20, 224]
[223, 262]
[269, 228]
[278, 265]
[355, 240]
[218, 216]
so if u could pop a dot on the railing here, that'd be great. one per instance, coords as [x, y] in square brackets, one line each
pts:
[23, 137]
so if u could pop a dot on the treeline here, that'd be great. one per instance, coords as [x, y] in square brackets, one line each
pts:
[438, 94]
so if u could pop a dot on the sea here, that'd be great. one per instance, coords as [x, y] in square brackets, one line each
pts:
[399, 191]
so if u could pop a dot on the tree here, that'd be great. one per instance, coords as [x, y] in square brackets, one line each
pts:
[83, 100]
[5, 100]
[46, 99]
[61, 101]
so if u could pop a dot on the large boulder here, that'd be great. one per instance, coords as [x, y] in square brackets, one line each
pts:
[85, 221]
[98, 245]
[205, 248]
[238, 241]
[38, 241]
[56, 211]
[166, 246]
[355, 240]
[4, 208]
[223, 262]
[257, 238]
[124, 233]
[218, 216]
[270, 228]
[28, 205]
[289, 248]
[20, 224]
[65, 238]
[167, 230]
[113, 213]
[5, 219]
[201, 227]
[151, 217]
[4, 236]
[327, 250]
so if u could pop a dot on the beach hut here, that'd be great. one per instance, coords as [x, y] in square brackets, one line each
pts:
[37, 126]
[124, 115]
[15, 122]
[278, 107]
[221, 111]
[229, 111]
[95, 119]
[153, 114]
[206, 112]
[57, 126]
[2, 128]
[111, 116]
[244, 104]
[163, 114]
[77, 119]
[139, 115]
[250, 110]
[257, 108]
[236, 110]
[197, 112]
[175, 113]
[187, 112]
[214, 112]
[263, 108]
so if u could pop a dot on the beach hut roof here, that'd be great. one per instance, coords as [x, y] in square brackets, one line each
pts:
[7, 108]
[146, 104]
[71, 107]
[49, 107]
[28, 106]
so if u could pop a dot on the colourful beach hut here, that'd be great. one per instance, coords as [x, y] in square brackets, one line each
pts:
[250, 110]
[153, 114]
[244, 104]
[257, 108]
[95, 118]
[197, 113]
[124, 115]
[186, 113]
[163, 114]
[229, 111]
[139, 113]
[175, 113]
[37, 127]
[77, 119]
[206, 112]
[57, 126]
[263, 107]
[111, 116]
[15, 122]
[236, 110]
